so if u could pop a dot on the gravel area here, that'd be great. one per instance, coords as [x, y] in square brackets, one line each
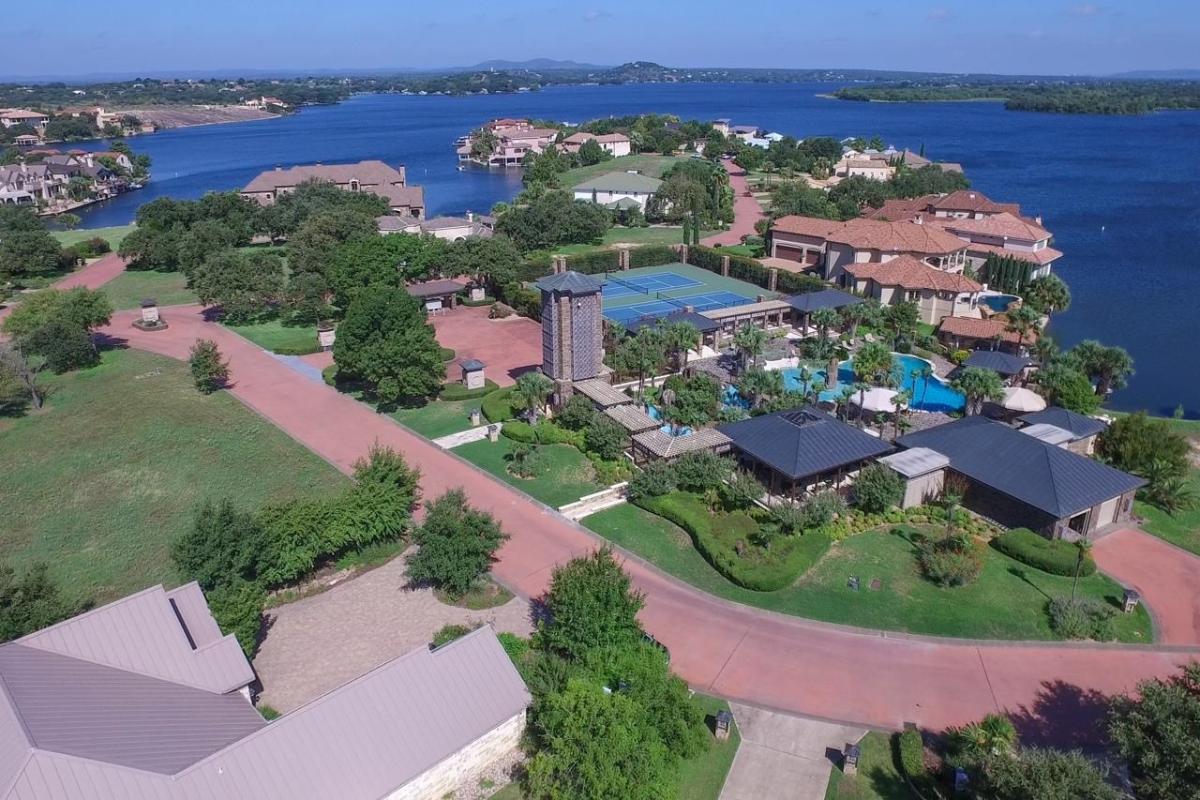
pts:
[317, 644]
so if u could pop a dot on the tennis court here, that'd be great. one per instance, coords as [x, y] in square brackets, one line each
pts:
[659, 291]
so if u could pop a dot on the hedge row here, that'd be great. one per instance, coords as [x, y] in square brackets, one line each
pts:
[497, 406]
[792, 555]
[542, 433]
[652, 255]
[912, 755]
[752, 271]
[594, 262]
[456, 391]
[1049, 555]
[300, 350]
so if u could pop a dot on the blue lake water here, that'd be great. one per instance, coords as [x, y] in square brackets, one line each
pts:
[1120, 193]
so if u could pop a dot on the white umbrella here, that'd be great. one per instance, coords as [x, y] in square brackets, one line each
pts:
[1018, 398]
[876, 399]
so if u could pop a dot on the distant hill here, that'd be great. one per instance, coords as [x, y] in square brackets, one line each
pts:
[536, 65]
[1160, 75]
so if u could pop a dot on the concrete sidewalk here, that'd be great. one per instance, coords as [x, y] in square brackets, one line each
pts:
[783, 757]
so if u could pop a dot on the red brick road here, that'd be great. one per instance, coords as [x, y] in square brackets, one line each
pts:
[92, 275]
[745, 654]
[1167, 577]
[746, 210]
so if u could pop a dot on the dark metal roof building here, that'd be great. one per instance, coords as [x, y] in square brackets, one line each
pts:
[803, 442]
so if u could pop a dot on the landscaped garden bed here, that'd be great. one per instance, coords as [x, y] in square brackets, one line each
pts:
[280, 337]
[1009, 600]
[561, 475]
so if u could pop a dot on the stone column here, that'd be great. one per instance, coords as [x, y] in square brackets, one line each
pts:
[772, 278]
[682, 249]
[623, 258]
[725, 266]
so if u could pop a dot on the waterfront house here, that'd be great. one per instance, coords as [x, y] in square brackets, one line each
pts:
[618, 144]
[827, 246]
[12, 117]
[797, 451]
[937, 293]
[514, 139]
[371, 176]
[1019, 480]
[873, 168]
[614, 189]
[973, 333]
[145, 699]
[1008, 366]
[986, 226]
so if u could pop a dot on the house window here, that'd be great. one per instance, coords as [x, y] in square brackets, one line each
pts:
[354, 185]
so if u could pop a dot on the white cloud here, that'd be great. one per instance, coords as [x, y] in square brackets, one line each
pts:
[595, 15]
[1087, 10]
[939, 14]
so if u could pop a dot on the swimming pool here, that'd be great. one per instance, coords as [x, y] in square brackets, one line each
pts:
[928, 394]
[656, 414]
[998, 302]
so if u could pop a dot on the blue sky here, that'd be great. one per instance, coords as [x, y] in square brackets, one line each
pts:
[1026, 36]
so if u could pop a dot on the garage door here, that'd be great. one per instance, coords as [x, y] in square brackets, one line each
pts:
[1108, 512]
[790, 253]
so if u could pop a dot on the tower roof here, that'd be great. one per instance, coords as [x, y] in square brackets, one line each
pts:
[570, 282]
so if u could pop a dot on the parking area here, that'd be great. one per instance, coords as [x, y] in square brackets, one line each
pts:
[508, 347]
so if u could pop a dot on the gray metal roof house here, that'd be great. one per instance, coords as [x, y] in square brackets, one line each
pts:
[140, 700]
[792, 450]
[1022, 481]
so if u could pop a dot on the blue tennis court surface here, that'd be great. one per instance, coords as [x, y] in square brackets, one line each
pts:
[616, 287]
[661, 308]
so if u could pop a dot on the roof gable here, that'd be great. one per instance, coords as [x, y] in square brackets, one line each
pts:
[1079, 425]
[803, 441]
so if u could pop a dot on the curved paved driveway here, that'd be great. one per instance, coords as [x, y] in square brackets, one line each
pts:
[1167, 577]
[744, 654]
[746, 210]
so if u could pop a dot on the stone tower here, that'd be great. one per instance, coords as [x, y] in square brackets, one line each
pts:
[572, 334]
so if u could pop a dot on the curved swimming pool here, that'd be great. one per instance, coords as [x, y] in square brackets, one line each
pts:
[928, 394]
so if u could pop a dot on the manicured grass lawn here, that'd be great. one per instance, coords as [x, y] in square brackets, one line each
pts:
[101, 482]
[652, 165]
[564, 474]
[129, 288]
[702, 777]
[651, 235]
[1008, 601]
[113, 235]
[278, 337]
[878, 778]
[437, 417]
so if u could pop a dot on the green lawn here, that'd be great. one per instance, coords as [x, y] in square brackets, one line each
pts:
[651, 235]
[99, 483]
[878, 778]
[113, 235]
[278, 337]
[702, 777]
[1182, 528]
[652, 165]
[1008, 601]
[437, 417]
[129, 288]
[564, 474]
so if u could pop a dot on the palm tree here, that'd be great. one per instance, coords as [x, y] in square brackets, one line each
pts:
[899, 403]
[843, 400]
[1082, 547]
[853, 316]
[1022, 320]
[901, 320]
[681, 337]
[531, 392]
[824, 319]
[861, 387]
[750, 343]
[641, 355]
[1044, 349]
[994, 735]
[757, 385]
[1048, 294]
[874, 363]
[978, 385]
[1108, 367]
[926, 375]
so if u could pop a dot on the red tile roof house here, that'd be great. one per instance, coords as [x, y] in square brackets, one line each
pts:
[142, 700]
[616, 143]
[988, 227]
[936, 292]
[967, 333]
[371, 176]
[830, 246]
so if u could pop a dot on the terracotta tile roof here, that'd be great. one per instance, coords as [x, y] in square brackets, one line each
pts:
[1003, 224]
[609, 138]
[971, 200]
[898, 237]
[367, 173]
[1043, 256]
[805, 226]
[897, 209]
[910, 273]
[974, 328]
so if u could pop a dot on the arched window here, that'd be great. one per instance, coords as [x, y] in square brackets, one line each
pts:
[354, 184]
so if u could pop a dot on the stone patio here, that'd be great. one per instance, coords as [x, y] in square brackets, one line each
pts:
[317, 644]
